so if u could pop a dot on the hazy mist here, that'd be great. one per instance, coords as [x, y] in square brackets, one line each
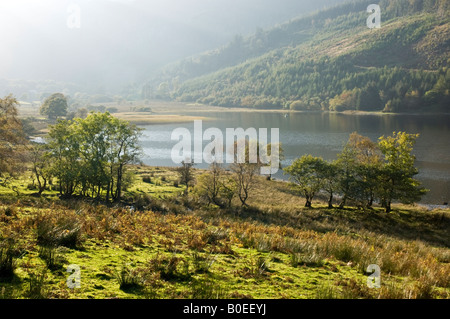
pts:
[121, 41]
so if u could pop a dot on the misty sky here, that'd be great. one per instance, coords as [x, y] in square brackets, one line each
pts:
[120, 41]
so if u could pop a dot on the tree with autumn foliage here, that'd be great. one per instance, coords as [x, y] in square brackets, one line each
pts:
[12, 139]
[359, 164]
[396, 182]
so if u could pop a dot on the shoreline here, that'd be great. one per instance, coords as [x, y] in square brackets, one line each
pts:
[171, 107]
[428, 206]
[155, 119]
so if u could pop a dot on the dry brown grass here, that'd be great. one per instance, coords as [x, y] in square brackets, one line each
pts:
[414, 263]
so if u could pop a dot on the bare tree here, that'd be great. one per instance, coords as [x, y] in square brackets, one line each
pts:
[245, 172]
[41, 166]
[186, 174]
[216, 186]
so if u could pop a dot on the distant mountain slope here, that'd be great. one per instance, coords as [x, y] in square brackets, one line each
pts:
[329, 60]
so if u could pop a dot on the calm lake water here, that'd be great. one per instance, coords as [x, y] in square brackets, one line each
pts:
[324, 134]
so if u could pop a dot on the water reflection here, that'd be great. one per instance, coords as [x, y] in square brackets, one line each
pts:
[324, 134]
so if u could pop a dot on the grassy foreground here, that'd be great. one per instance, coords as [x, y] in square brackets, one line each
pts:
[162, 245]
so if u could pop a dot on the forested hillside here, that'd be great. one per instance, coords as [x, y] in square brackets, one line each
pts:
[329, 60]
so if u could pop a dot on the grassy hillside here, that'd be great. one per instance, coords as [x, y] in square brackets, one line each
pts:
[166, 246]
[329, 60]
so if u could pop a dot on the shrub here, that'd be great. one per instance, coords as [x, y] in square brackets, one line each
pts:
[128, 279]
[214, 236]
[58, 230]
[298, 105]
[257, 268]
[309, 260]
[343, 253]
[7, 263]
[37, 286]
[262, 265]
[344, 248]
[424, 288]
[170, 268]
[52, 257]
[147, 179]
[202, 264]
[10, 211]
[196, 242]
[326, 292]
[389, 290]
[141, 201]
[354, 289]
[207, 289]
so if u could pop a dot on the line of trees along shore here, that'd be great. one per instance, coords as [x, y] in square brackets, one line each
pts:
[89, 157]
[364, 172]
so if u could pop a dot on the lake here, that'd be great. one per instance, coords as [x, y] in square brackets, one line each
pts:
[324, 134]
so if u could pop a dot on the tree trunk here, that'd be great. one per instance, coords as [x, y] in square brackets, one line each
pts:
[342, 204]
[38, 180]
[119, 182]
[230, 199]
[330, 201]
[112, 188]
[308, 202]
[107, 191]
[370, 203]
[243, 198]
[388, 207]
[42, 188]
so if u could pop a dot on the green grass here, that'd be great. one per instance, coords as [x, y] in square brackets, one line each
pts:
[273, 249]
[100, 262]
[161, 185]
